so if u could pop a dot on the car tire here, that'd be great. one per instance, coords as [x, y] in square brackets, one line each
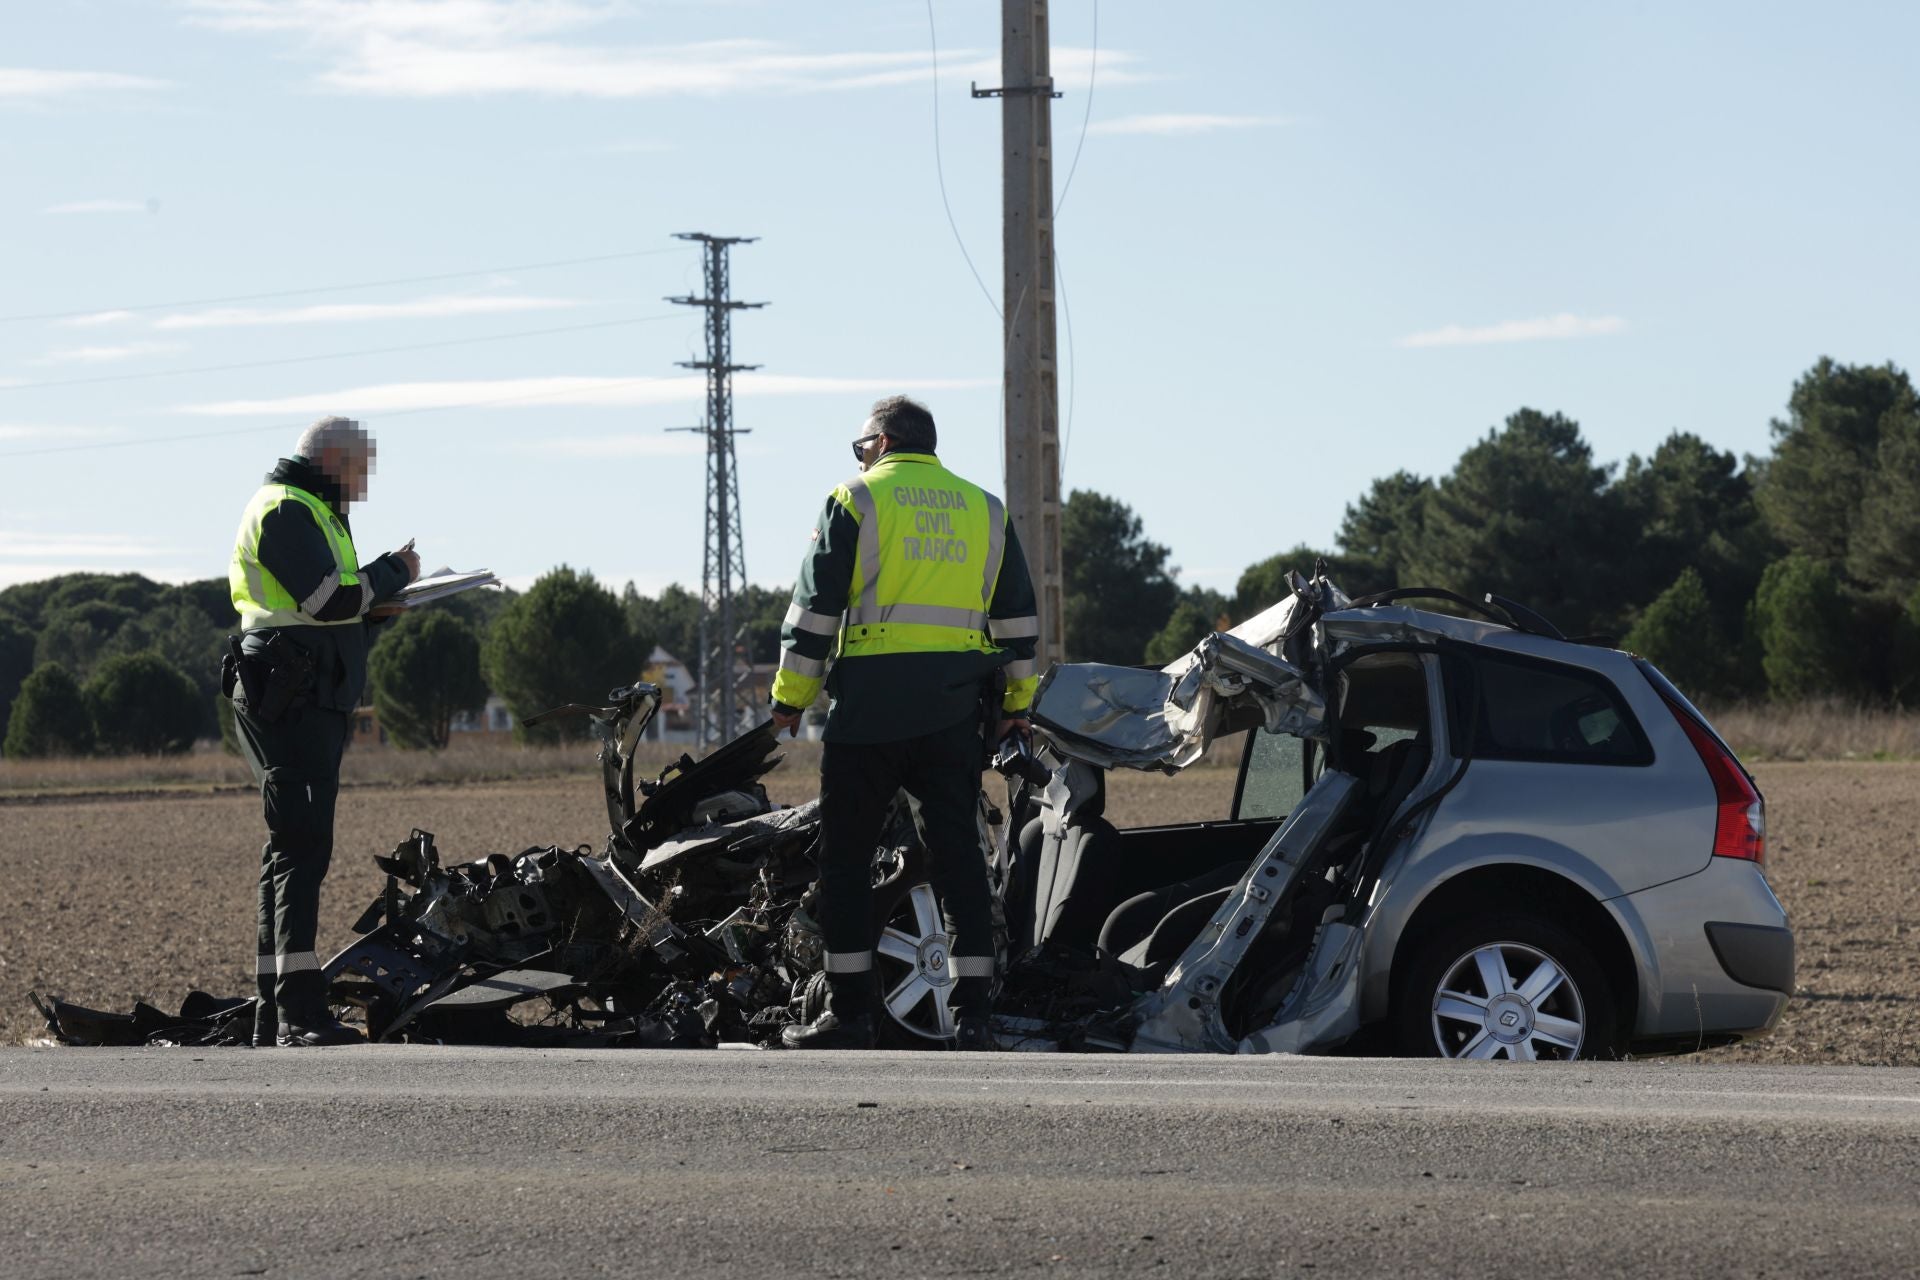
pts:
[1554, 1001]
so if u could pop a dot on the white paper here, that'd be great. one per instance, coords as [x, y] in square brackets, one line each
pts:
[443, 583]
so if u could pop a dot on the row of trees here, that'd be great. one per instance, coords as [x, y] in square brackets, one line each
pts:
[119, 664]
[1793, 575]
[109, 662]
[134, 704]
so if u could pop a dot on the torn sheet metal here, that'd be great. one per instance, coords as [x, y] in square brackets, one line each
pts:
[1184, 1015]
[1324, 1008]
[1398, 624]
[1123, 716]
[203, 1021]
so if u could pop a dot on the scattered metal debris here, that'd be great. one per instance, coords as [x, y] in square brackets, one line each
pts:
[693, 926]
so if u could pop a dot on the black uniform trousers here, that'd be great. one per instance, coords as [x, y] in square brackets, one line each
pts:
[858, 782]
[297, 762]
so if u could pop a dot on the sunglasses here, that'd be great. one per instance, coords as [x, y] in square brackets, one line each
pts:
[860, 445]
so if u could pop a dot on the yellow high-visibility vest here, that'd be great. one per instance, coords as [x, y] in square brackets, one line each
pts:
[927, 559]
[257, 594]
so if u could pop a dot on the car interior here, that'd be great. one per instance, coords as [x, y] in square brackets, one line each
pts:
[1141, 895]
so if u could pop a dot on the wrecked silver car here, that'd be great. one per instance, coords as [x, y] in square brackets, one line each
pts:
[1452, 834]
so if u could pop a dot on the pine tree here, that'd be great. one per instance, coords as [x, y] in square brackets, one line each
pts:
[49, 717]
[566, 640]
[1679, 634]
[423, 672]
[141, 704]
[1803, 625]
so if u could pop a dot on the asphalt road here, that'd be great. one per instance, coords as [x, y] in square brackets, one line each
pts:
[407, 1161]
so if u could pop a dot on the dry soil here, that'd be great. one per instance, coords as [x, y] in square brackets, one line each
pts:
[145, 897]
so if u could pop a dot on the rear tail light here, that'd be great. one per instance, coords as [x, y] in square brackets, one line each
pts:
[1740, 815]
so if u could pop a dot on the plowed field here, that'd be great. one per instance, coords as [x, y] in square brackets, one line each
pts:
[112, 899]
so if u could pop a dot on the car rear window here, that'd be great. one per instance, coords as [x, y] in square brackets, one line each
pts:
[1527, 709]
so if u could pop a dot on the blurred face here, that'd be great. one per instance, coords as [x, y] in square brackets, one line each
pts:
[349, 468]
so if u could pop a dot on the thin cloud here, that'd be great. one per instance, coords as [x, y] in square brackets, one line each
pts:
[1564, 325]
[1177, 125]
[623, 393]
[340, 312]
[103, 206]
[101, 557]
[477, 47]
[1069, 68]
[95, 319]
[39, 83]
[108, 355]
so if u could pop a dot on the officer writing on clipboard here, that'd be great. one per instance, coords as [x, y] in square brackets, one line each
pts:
[295, 674]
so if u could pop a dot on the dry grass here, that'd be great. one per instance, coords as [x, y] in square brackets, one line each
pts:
[1818, 731]
[484, 760]
[210, 769]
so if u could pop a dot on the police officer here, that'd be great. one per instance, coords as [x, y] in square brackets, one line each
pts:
[915, 575]
[296, 673]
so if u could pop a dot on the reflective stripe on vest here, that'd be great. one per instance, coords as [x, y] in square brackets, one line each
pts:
[866, 570]
[1022, 628]
[258, 596]
[819, 624]
[932, 615]
[926, 561]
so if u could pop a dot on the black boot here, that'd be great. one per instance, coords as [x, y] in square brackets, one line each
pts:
[266, 1022]
[321, 1033]
[845, 1022]
[972, 1032]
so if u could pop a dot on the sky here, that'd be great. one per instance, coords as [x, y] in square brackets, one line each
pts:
[1302, 246]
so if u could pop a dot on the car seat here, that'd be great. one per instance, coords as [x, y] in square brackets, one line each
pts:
[1149, 931]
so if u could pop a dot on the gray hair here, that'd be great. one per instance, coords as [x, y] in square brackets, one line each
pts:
[343, 434]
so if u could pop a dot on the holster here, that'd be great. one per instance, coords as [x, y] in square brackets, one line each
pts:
[271, 682]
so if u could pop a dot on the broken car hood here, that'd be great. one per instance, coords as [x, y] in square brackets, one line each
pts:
[1270, 671]
[1256, 674]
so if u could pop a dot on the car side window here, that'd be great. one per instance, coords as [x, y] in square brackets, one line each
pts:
[1526, 709]
[1273, 783]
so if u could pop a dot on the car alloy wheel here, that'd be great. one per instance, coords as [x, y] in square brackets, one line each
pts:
[914, 956]
[1508, 1000]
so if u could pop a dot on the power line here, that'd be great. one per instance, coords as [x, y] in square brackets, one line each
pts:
[334, 355]
[342, 288]
[1093, 68]
[933, 41]
[295, 426]
[1066, 307]
[1073, 365]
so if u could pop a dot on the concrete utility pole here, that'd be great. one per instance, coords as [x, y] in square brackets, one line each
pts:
[722, 709]
[1032, 388]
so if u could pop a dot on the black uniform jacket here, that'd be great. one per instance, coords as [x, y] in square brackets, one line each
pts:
[295, 551]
